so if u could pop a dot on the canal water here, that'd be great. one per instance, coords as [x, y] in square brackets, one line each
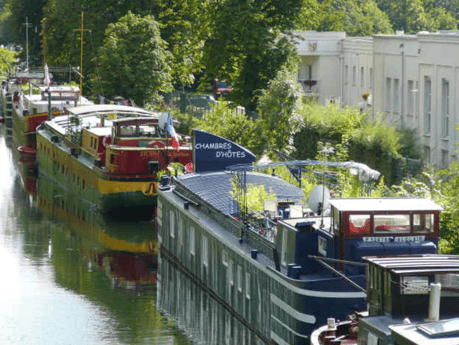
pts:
[68, 276]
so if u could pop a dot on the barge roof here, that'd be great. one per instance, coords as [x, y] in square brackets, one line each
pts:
[215, 188]
[107, 109]
[417, 264]
[384, 204]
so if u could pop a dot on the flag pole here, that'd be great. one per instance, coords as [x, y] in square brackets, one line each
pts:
[167, 140]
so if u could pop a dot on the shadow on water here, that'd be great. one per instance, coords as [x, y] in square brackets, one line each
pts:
[69, 275]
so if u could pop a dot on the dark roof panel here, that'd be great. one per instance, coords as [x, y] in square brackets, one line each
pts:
[215, 188]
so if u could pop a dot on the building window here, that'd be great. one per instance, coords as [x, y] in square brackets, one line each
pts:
[172, 223]
[427, 104]
[410, 102]
[396, 96]
[444, 108]
[427, 154]
[205, 251]
[388, 94]
[192, 241]
[346, 75]
[444, 159]
[354, 75]
[362, 76]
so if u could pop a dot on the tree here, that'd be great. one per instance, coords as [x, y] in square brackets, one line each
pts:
[7, 61]
[134, 61]
[356, 18]
[32, 10]
[413, 16]
[233, 125]
[278, 111]
[249, 42]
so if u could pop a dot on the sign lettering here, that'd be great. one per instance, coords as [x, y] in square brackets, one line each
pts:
[395, 239]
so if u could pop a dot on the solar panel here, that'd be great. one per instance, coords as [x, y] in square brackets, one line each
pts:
[441, 328]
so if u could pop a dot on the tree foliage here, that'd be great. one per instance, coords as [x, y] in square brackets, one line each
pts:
[234, 125]
[249, 42]
[355, 18]
[134, 60]
[7, 61]
[278, 107]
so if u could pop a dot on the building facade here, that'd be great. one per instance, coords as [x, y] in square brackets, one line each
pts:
[412, 80]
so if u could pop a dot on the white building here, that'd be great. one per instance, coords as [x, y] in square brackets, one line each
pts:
[413, 81]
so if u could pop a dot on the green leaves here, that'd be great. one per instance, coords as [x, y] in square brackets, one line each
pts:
[134, 61]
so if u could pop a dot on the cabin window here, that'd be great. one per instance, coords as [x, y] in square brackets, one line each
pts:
[112, 159]
[359, 224]
[372, 339]
[335, 220]
[284, 247]
[423, 223]
[322, 246]
[172, 223]
[192, 239]
[159, 212]
[205, 251]
[449, 284]
[391, 223]
[247, 284]
[239, 278]
[180, 232]
[225, 258]
[230, 273]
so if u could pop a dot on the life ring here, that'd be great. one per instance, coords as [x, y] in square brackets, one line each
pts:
[156, 144]
[105, 140]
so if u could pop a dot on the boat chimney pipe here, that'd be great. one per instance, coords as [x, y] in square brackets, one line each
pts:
[434, 305]
[50, 110]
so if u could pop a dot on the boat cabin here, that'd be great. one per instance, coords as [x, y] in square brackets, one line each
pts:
[131, 145]
[360, 227]
[410, 289]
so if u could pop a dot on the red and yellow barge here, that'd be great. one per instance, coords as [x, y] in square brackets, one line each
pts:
[110, 155]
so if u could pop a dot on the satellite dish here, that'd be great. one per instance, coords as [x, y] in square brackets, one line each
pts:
[319, 199]
[162, 121]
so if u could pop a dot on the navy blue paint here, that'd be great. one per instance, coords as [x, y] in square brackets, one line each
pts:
[214, 153]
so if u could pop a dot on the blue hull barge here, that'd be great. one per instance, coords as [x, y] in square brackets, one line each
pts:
[281, 272]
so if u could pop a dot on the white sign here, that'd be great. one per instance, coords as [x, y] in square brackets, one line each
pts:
[386, 239]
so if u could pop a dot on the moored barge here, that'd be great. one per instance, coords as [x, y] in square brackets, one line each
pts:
[413, 300]
[282, 273]
[111, 155]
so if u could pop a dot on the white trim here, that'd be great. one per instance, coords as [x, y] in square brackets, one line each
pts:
[320, 294]
[278, 339]
[288, 328]
[291, 311]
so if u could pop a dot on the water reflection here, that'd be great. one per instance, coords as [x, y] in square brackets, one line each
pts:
[193, 309]
[69, 276]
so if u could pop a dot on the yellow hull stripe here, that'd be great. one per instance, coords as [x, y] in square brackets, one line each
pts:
[146, 187]
[120, 245]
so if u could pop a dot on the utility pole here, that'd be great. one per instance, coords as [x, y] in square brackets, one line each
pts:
[27, 25]
[81, 53]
